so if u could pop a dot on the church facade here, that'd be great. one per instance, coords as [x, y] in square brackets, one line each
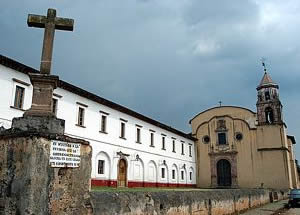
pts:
[230, 147]
[237, 147]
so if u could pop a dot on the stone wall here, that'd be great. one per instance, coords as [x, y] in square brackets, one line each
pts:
[28, 185]
[196, 202]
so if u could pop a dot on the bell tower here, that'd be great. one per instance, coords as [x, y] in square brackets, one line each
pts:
[269, 107]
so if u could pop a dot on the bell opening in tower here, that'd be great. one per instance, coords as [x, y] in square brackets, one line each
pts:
[269, 115]
[267, 95]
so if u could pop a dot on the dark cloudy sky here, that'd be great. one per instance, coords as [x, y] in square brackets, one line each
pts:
[167, 59]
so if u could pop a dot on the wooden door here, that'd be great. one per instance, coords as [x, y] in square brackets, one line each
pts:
[122, 173]
[224, 173]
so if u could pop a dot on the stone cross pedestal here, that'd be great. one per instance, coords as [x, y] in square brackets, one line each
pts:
[43, 87]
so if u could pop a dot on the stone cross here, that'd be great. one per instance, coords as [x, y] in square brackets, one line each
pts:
[50, 23]
[44, 83]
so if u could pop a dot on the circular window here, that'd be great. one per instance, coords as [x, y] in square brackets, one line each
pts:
[238, 136]
[206, 139]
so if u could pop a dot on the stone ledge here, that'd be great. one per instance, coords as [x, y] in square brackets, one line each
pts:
[39, 124]
[15, 133]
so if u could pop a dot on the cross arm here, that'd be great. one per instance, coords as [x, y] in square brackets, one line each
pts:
[64, 24]
[60, 23]
[36, 21]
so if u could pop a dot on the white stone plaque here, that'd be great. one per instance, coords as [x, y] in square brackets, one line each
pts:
[63, 154]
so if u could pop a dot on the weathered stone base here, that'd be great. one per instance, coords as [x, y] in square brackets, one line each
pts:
[40, 124]
[190, 202]
[28, 185]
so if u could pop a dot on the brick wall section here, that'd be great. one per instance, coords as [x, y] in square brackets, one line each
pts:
[210, 202]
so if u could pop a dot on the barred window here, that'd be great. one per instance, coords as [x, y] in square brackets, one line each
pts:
[138, 135]
[173, 173]
[103, 123]
[163, 172]
[80, 116]
[163, 142]
[173, 146]
[19, 97]
[152, 139]
[122, 132]
[101, 166]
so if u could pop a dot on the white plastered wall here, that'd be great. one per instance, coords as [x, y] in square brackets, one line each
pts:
[150, 159]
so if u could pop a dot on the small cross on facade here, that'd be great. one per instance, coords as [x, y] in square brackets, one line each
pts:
[50, 23]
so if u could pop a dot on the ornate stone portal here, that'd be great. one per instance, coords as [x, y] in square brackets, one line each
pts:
[229, 156]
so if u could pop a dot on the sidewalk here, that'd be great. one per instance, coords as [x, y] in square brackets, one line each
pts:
[267, 209]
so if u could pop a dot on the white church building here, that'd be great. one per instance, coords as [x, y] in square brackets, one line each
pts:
[129, 149]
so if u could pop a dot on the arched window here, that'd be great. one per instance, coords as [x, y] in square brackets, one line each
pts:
[269, 115]
[102, 164]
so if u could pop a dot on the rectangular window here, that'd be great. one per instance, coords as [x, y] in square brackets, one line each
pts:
[191, 175]
[222, 138]
[190, 150]
[152, 139]
[173, 173]
[182, 175]
[173, 146]
[182, 148]
[54, 106]
[100, 166]
[122, 134]
[138, 135]
[163, 142]
[163, 172]
[80, 116]
[103, 123]
[19, 97]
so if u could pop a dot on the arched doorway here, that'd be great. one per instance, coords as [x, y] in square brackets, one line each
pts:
[122, 173]
[224, 173]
